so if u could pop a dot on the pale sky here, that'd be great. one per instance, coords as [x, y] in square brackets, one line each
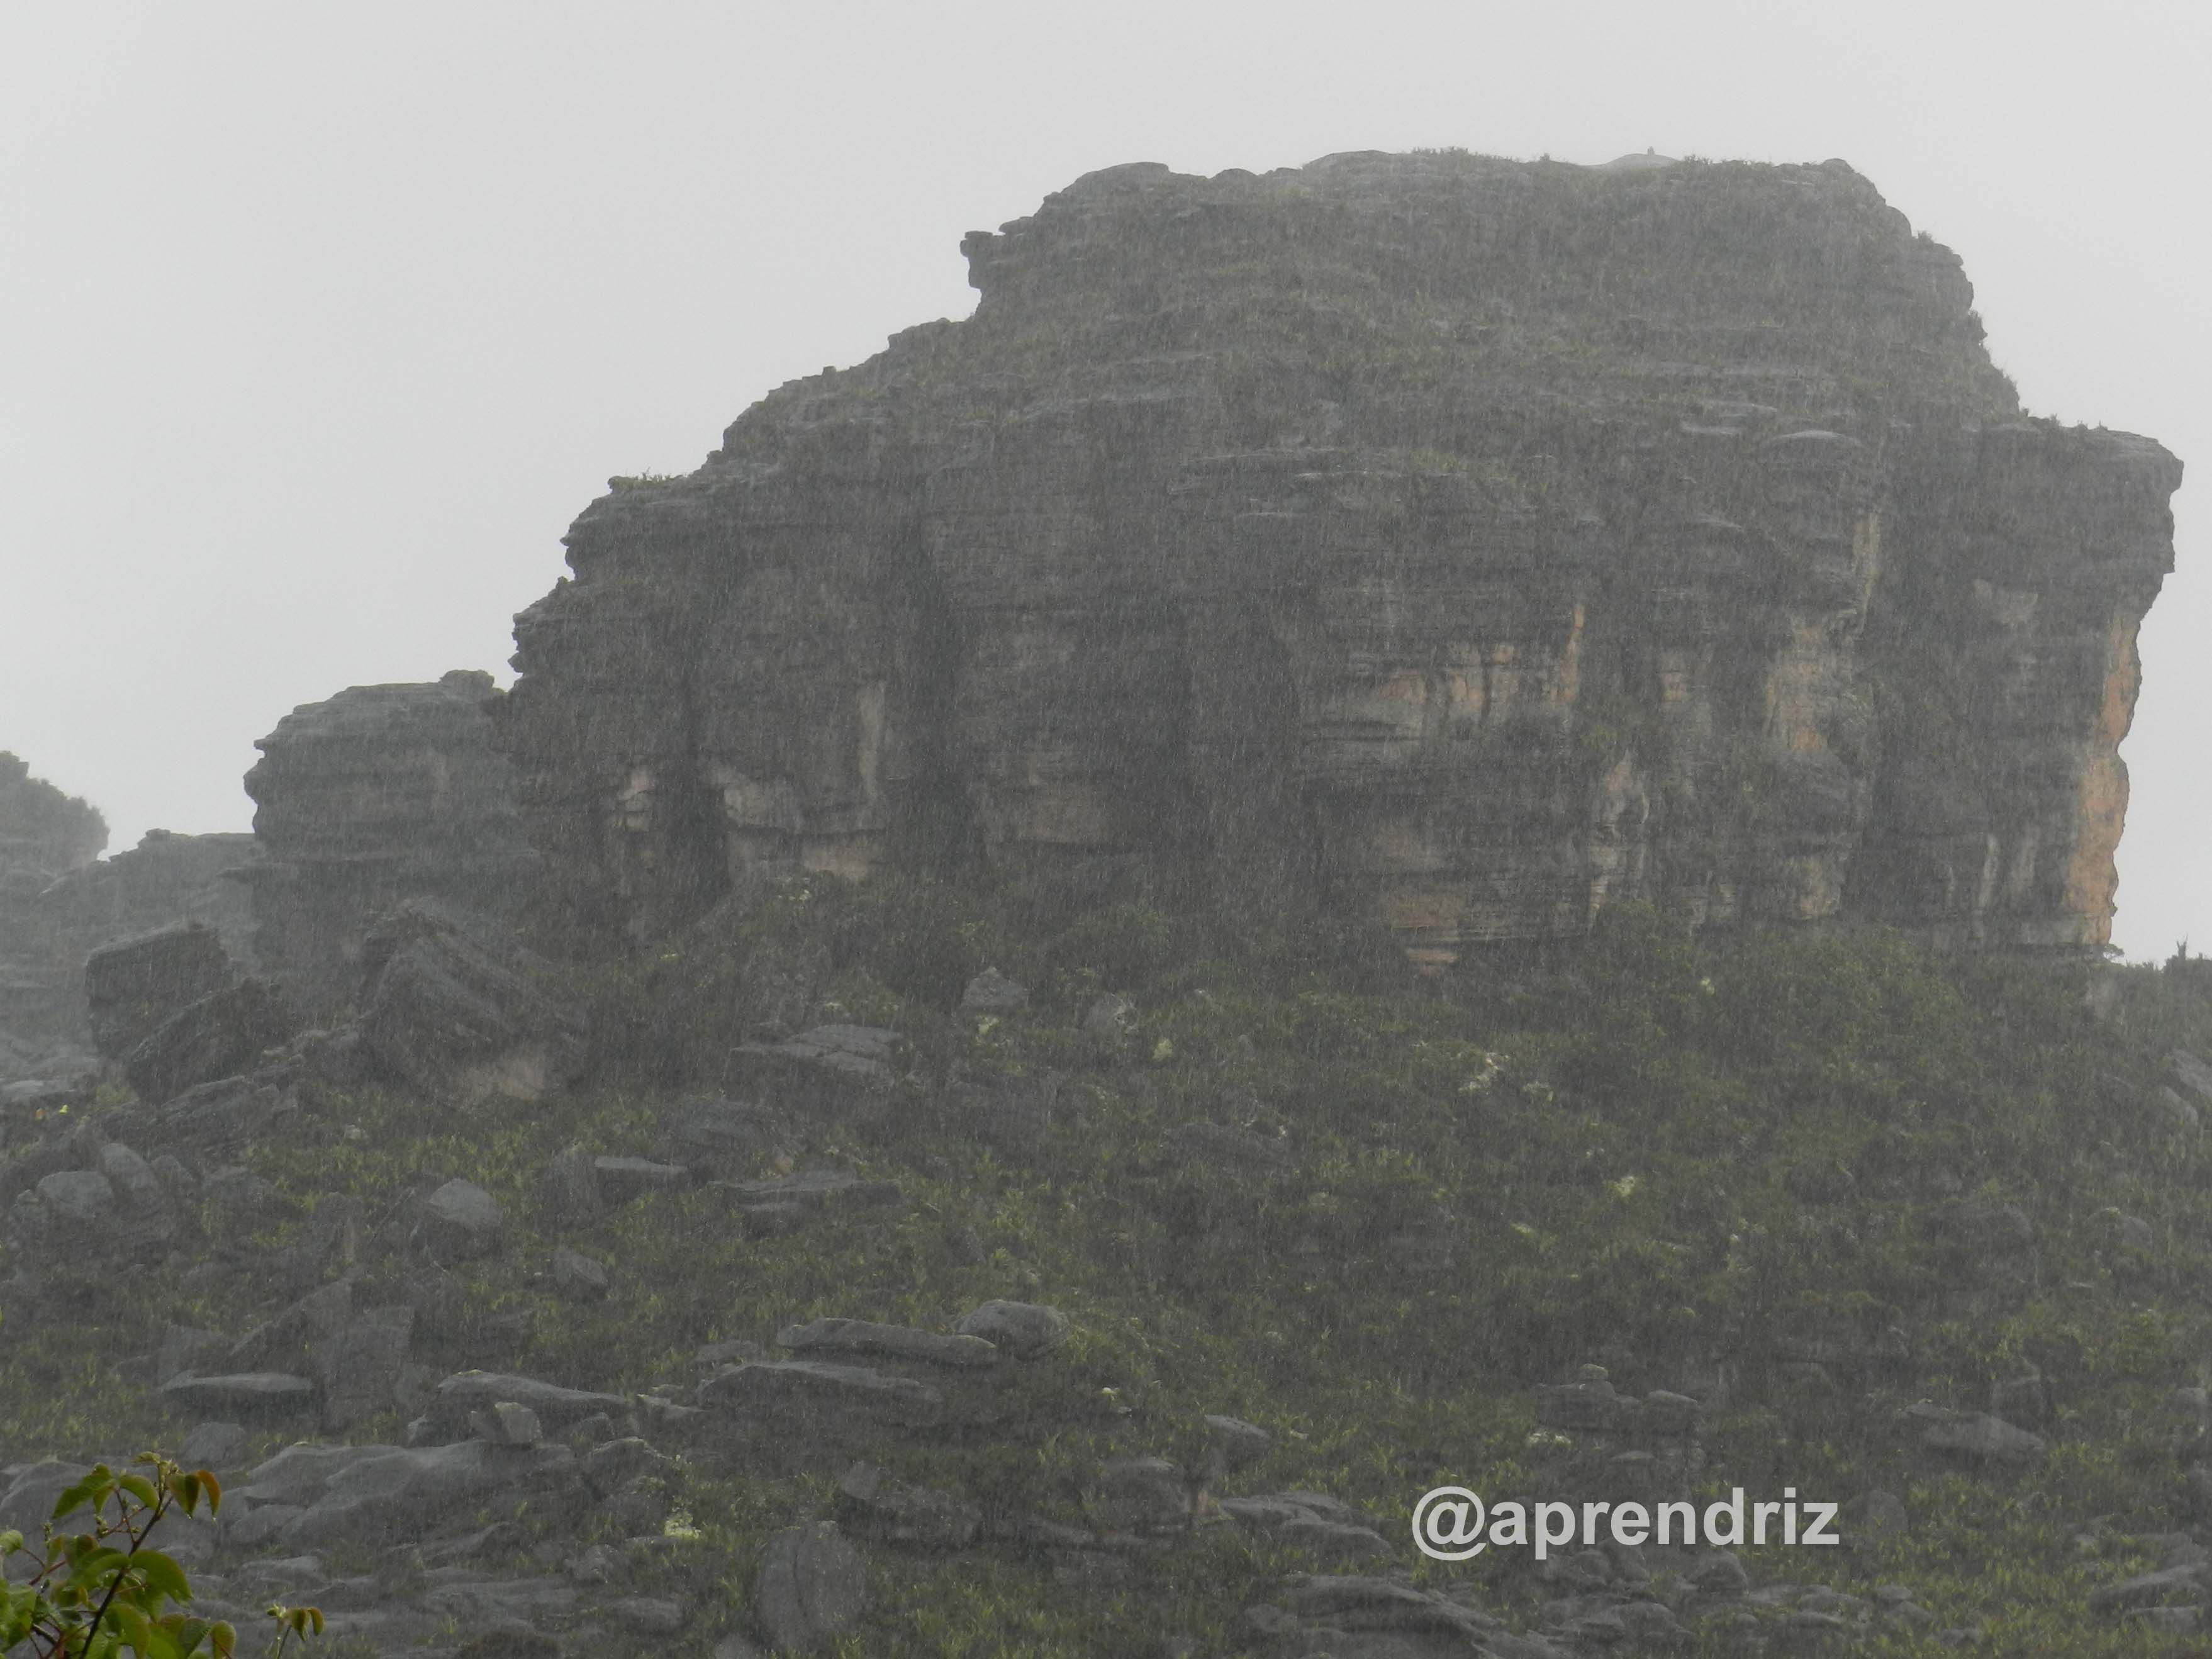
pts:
[318, 324]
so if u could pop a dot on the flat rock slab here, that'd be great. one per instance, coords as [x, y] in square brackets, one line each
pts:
[779, 1206]
[619, 1179]
[557, 1408]
[392, 1496]
[826, 1065]
[825, 1338]
[2168, 1587]
[1359, 1603]
[1023, 1329]
[719, 1136]
[298, 1473]
[246, 1394]
[479, 1599]
[1979, 1438]
[803, 1388]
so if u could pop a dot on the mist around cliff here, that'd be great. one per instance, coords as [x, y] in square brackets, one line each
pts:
[1419, 822]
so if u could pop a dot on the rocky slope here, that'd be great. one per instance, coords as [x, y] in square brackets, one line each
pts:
[1475, 542]
[1000, 1315]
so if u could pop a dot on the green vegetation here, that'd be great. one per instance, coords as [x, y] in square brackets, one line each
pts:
[100, 1594]
[1705, 1163]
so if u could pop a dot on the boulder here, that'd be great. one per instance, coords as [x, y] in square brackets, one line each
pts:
[458, 1007]
[133, 985]
[811, 1590]
[219, 1036]
[460, 1220]
[577, 1274]
[214, 1446]
[360, 1365]
[992, 992]
[718, 1138]
[889, 1511]
[392, 1495]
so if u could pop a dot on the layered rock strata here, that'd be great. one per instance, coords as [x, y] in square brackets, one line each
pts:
[380, 794]
[1476, 543]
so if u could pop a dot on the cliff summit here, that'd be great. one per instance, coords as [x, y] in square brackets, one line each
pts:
[1471, 542]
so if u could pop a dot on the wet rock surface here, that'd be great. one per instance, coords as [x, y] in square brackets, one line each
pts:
[457, 1005]
[1337, 621]
[378, 795]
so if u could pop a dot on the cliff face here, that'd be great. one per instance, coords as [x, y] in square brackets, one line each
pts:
[1475, 542]
[378, 794]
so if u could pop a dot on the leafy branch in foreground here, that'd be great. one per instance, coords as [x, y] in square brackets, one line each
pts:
[100, 1594]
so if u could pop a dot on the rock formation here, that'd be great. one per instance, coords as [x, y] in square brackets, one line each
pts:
[1473, 542]
[49, 927]
[380, 794]
[43, 833]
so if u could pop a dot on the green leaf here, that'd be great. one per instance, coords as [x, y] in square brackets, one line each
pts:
[140, 1488]
[90, 1490]
[132, 1623]
[163, 1574]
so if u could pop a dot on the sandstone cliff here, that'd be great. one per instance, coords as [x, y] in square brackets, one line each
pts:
[380, 794]
[1474, 542]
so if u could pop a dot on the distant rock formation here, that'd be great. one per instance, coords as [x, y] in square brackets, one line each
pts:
[43, 833]
[380, 794]
[46, 936]
[168, 877]
[1472, 542]
[59, 902]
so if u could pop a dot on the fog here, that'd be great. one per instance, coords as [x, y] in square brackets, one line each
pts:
[317, 325]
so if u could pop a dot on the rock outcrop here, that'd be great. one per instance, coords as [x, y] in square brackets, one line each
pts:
[380, 794]
[457, 1006]
[43, 833]
[1476, 543]
[49, 928]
